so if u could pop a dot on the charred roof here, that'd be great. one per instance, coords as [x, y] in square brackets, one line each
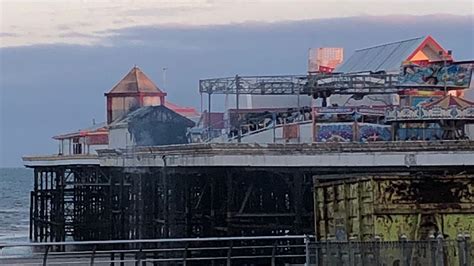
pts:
[157, 113]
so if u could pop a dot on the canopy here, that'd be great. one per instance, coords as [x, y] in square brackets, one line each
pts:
[447, 108]
[450, 101]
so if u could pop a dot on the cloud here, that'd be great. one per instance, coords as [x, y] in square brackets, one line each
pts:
[37, 23]
[162, 11]
[8, 34]
[72, 34]
[312, 32]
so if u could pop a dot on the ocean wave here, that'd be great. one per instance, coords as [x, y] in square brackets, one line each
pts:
[12, 252]
[14, 237]
[12, 210]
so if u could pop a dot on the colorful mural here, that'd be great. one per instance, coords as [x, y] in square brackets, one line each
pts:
[371, 132]
[344, 132]
[334, 132]
[455, 75]
[419, 101]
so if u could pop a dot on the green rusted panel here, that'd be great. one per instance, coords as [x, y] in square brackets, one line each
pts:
[344, 210]
[391, 226]
[453, 224]
[392, 205]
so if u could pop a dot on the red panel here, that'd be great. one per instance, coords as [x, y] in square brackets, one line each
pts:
[291, 131]
[98, 139]
[109, 110]
[326, 69]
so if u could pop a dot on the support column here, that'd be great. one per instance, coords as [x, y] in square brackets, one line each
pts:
[213, 198]
[187, 207]
[298, 193]
[122, 233]
[237, 94]
[165, 206]
[171, 206]
[34, 214]
[57, 201]
[229, 201]
[209, 126]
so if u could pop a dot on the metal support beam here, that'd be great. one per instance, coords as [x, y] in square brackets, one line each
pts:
[237, 96]
[209, 125]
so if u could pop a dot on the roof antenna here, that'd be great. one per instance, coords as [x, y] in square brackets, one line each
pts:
[164, 77]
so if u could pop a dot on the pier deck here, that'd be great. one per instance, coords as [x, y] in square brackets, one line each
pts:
[378, 154]
[211, 190]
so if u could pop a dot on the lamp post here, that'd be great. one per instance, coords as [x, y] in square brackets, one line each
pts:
[164, 77]
[445, 57]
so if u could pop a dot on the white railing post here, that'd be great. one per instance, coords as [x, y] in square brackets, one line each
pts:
[307, 252]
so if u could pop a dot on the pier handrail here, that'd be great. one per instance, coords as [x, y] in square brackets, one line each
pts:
[162, 240]
[230, 249]
[259, 249]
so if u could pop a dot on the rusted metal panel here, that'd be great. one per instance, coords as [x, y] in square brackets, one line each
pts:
[291, 131]
[451, 194]
[391, 205]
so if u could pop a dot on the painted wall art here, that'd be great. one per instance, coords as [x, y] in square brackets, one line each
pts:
[453, 75]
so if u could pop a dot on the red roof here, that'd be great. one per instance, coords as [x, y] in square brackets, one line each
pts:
[99, 129]
[449, 100]
[136, 81]
[188, 112]
[430, 41]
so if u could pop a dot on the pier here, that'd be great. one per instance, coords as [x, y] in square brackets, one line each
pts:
[213, 189]
[364, 184]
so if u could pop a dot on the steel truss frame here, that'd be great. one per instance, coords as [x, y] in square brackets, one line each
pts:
[372, 83]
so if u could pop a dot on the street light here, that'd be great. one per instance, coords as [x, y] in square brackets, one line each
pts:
[445, 57]
[164, 77]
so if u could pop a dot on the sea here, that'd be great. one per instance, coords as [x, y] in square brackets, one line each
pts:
[15, 187]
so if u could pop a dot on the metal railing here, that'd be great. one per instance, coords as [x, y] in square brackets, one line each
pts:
[266, 250]
[435, 252]
[302, 84]
[261, 250]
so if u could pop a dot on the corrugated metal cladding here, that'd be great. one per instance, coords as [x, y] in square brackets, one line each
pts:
[386, 57]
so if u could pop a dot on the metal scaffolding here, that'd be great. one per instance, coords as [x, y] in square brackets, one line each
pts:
[100, 203]
[321, 85]
[302, 84]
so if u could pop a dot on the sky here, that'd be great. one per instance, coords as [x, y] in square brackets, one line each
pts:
[58, 58]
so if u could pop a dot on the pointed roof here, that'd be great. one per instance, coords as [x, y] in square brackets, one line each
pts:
[428, 49]
[449, 101]
[389, 57]
[134, 82]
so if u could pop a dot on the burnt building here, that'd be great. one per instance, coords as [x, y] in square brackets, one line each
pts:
[149, 126]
